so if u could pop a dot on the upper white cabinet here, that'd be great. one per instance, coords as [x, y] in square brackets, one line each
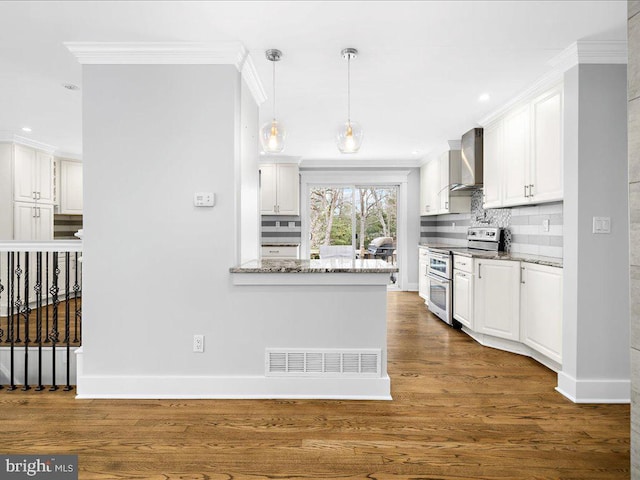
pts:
[33, 175]
[436, 176]
[497, 298]
[279, 189]
[523, 153]
[546, 165]
[70, 174]
[541, 309]
[429, 182]
[492, 156]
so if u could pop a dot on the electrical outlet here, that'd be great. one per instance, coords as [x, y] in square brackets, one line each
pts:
[198, 343]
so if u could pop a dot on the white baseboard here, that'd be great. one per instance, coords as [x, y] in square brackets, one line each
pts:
[240, 387]
[594, 391]
[412, 287]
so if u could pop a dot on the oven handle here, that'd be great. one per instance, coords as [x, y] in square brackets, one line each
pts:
[438, 279]
[439, 256]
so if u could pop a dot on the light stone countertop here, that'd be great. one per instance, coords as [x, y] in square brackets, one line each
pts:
[328, 265]
[521, 257]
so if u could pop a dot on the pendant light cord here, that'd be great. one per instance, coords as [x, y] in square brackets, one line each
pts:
[274, 90]
[349, 89]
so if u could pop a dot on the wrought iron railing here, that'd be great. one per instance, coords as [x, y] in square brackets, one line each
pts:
[40, 314]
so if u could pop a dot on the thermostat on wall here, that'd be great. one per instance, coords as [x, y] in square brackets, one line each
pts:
[204, 199]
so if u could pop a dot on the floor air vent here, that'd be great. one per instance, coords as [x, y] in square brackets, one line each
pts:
[336, 362]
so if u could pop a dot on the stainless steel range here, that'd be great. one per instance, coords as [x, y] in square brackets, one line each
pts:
[440, 283]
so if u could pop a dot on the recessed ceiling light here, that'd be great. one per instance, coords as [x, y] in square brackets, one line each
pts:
[70, 86]
[484, 97]
[26, 129]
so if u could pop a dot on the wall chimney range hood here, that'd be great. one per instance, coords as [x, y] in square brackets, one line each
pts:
[471, 171]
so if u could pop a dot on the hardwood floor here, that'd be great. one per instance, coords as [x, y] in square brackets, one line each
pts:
[460, 411]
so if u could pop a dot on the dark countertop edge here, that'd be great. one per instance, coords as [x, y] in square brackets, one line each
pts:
[522, 257]
[312, 270]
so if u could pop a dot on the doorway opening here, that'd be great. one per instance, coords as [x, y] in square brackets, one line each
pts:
[354, 221]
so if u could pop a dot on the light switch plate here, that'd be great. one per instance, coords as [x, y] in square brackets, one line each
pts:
[204, 199]
[601, 224]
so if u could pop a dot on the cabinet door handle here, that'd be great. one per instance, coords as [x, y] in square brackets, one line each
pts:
[525, 191]
[34, 196]
[446, 205]
[522, 275]
[479, 270]
[33, 215]
[531, 189]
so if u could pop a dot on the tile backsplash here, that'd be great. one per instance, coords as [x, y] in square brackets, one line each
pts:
[278, 229]
[524, 227]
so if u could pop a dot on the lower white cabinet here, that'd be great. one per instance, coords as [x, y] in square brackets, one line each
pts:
[423, 265]
[541, 309]
[32, 221]
[463, 298]
[497, 298]
[285, 251]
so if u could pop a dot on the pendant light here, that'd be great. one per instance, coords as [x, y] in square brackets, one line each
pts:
[349, 136]
[272, 134]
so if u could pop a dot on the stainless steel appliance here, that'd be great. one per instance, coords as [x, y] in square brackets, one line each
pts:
[471, 171]
[440, 269]
[440, 284]
[485, 238]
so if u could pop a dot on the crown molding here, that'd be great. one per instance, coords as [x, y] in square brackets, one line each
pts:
[8, 137]
[68, 155]
[358, 164]
[592, 52]
[580, 52]
[171, 53]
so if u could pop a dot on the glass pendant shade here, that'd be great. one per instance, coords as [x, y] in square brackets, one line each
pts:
[272, 136]
[349, 137]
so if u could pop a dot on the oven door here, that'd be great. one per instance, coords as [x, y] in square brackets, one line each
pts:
[440, 264]
[439, 301]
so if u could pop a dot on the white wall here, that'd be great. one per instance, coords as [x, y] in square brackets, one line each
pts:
[596, 278]
[153, 263]
[247, 177]
[156, 268]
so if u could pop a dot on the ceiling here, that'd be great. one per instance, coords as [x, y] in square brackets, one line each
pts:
[415, 84]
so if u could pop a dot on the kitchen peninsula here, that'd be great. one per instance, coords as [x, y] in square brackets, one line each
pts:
[323, 323]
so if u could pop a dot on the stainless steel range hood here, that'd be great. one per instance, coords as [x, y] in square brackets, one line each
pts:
[471, 171]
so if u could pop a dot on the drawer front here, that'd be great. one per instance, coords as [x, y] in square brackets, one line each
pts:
[424, 253]
[463, 263]
[280, 252]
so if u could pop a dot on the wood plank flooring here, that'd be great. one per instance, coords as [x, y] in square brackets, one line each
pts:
[460, 411]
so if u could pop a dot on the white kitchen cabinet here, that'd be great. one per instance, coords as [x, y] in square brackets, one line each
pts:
[523, 153]
[492, 158]
[429, 184]
[450, 172]
[32, 221]
[280, 251]
[33, 175]
[423, 265]
[546, 154]
[70, 192]
[436, 176]
[463, 303]
[541, 309]
[497, 298]
[516, 151]
[279, 189]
